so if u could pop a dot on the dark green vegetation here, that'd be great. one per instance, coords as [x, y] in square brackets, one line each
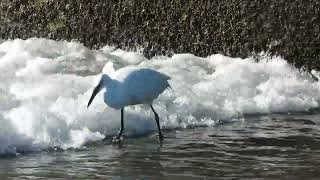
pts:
[201, 27]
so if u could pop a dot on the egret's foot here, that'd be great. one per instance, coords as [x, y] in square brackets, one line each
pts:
[117, 140]
[161, 137]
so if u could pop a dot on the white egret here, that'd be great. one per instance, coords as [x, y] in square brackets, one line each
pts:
[131, 86]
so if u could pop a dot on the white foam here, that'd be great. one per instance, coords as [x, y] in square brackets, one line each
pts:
[45, 86]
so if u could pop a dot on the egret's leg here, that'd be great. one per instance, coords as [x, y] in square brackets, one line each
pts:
[158, 124]
[122, 126]
[118, 139]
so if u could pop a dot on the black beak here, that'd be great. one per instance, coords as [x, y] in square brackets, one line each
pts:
[94, 93]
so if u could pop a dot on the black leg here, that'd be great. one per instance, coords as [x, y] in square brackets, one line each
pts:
[121, 128]
[118, 139]
[158, 124]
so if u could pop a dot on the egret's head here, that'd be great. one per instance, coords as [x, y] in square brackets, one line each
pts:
[104, 81]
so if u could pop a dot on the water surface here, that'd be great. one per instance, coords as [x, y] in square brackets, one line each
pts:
[274, 146]
[219, 120]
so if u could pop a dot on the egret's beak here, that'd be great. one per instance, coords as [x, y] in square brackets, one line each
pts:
[94, 93]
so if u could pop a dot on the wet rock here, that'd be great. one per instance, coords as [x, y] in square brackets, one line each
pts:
[235, 28]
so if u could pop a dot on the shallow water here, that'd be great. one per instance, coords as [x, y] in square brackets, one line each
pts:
[220, 119]
[273, 146]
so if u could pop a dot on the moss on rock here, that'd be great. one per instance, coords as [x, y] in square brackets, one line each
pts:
[232, 27]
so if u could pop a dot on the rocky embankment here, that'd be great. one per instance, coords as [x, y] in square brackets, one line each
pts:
[232, 27]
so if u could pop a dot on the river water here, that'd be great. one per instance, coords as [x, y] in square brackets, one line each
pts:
[226, 118]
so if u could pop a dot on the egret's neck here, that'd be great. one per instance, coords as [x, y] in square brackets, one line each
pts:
[106, 80]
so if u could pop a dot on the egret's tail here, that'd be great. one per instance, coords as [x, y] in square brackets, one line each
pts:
[169, 87]
[165, 77]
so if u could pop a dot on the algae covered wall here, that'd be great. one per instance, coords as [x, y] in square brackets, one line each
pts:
[202, 27]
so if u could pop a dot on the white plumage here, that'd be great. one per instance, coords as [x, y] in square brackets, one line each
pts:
[131, 86]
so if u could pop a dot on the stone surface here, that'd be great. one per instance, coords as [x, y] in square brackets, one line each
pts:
[232, 27]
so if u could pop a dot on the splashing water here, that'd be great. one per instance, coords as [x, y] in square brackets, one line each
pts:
[46, 84]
